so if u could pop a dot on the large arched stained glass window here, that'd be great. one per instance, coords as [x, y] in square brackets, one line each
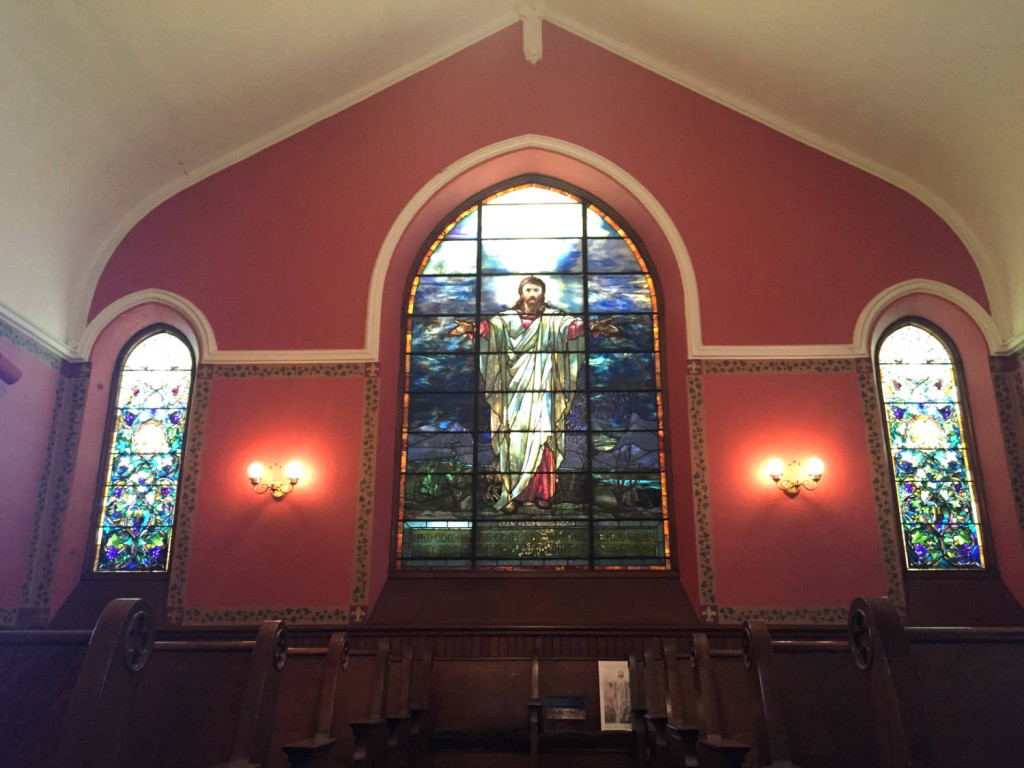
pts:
[937, 499]
[144, 457]
[533, 417]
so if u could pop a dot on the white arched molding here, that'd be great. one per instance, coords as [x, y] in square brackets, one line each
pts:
[200, 326]
[568, 149]
[862, 331]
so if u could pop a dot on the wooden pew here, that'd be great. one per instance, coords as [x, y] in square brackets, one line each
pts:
[638, 707]
[481, 711]
[420, 709]
[371, 731]
[940, 696]
[61, 691]
[681, 729]
[714, 750]
[315, 752]
[657, 710]
[811, 708]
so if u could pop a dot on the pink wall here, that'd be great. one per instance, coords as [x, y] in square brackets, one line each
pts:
[746, 199]
[250, 550]
[819, 548]
[277, 251]
[26, 409]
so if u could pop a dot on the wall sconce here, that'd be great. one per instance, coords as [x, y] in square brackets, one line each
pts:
[278, 488]
[789, 479]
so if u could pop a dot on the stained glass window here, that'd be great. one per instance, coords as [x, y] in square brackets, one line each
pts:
[144, 463]
[935, 490]
[533, 434]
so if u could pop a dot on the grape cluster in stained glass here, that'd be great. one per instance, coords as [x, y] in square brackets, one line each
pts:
[145, 456]
[533, 427]
[938, 508]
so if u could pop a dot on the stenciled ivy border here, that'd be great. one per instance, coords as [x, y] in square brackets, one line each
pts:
[177, 613]
[62, 445]
[1007, 383]
[30, 345]
[711, 610]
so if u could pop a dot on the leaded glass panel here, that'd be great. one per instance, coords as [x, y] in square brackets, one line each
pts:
[934, 487]
[140, 492]
[533, 419]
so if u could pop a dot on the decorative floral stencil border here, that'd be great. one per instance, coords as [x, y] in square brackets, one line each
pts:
[30, 345]
[62, 445]
[1008, 384]
[711, 610]
[356, 612]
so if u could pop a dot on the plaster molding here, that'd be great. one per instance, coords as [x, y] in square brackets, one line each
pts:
[83, 300]
[869, 315]
[208, 351]
[557, 146]
[791, 352]
[189, 311]
[995, 289]
[30, 335]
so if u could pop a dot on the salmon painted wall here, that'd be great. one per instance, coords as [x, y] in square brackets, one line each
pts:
[277, 252]
[770, 548]
[26, 410]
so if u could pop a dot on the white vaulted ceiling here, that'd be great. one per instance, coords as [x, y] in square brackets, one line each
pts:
[109, 106]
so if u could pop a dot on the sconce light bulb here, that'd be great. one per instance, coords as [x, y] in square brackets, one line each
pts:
[815, 467]
[775, 468]
[255, 471]
[293, 471]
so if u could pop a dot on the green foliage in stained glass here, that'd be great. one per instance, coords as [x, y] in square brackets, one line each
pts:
[934, 488]
[145, 456]
[533, 428]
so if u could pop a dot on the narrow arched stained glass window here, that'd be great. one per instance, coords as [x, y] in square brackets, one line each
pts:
[533, 415]
[141, 488]
[937, 501]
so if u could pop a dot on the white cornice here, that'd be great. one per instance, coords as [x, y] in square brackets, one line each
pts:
[33, 332]
[208, 351]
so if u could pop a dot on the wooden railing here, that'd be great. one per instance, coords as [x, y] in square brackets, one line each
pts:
[120, 695]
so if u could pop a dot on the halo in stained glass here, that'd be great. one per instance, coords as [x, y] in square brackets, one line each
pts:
[938, 507]
[564, 423]
[144, 457]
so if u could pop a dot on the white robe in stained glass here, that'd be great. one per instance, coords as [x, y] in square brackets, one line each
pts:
[529, 365]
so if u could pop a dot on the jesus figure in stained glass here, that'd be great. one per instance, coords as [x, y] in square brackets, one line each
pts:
[531, 356]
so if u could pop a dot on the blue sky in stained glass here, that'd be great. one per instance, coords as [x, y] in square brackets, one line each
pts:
[430, 334]
[598, 226]
[628, 370]
[445, 296]
[452, 257]
[625, 293]
[531, 256]
[531, 221]
[611, 256]
[466, 226]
